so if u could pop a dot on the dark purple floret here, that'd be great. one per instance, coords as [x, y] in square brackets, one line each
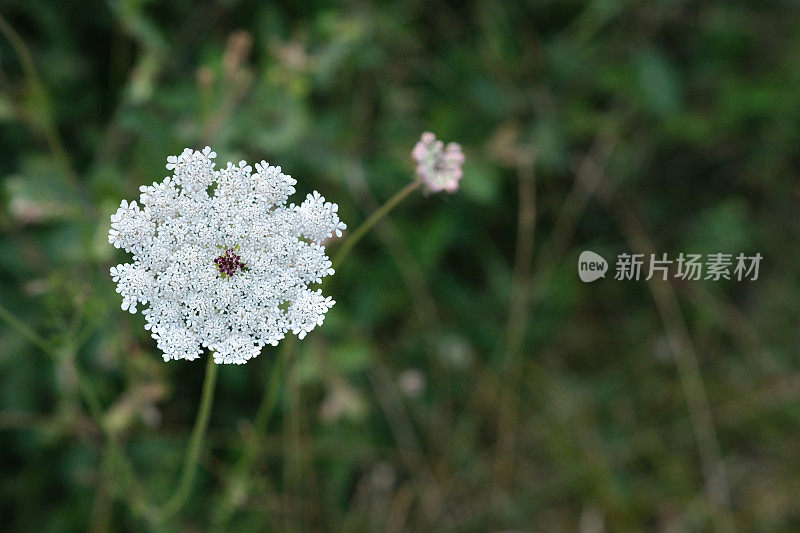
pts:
[229, 262]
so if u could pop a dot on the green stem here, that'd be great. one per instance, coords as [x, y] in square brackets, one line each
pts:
[240, 478]
[27, 332]
[376, 215]
[48, 123]
[190, 461]
[116, 456]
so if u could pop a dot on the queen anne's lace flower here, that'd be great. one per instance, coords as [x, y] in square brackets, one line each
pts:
[220, 260]
[438, 166]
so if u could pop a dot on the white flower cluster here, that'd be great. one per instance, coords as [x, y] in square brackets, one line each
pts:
[221, 260]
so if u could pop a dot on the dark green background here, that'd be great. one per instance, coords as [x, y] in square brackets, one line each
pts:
[548, 404]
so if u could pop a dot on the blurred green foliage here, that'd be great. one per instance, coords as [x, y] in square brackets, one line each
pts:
[464, 380]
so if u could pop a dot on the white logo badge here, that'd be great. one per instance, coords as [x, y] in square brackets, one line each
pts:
[591, 266]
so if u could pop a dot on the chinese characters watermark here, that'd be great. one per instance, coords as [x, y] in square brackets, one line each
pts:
[633, 267]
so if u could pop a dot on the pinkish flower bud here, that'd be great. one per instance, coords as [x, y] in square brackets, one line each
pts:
[438, 166]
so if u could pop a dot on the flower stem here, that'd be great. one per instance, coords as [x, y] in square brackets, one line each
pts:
[181, 494]
[115, 455]
[46, 118]
[239, 480]
[27, 332]
[376, 215]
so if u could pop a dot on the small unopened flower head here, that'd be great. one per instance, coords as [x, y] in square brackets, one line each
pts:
[438, 166]
[220, 261]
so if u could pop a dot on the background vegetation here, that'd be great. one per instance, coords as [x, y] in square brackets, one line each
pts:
[466, 379]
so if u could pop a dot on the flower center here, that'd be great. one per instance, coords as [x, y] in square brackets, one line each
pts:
[228, 263]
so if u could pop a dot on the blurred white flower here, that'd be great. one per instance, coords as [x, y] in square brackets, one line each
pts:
[455, 352]
[343, 401]
[412, 382]
[221, 259]
[438, 166]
